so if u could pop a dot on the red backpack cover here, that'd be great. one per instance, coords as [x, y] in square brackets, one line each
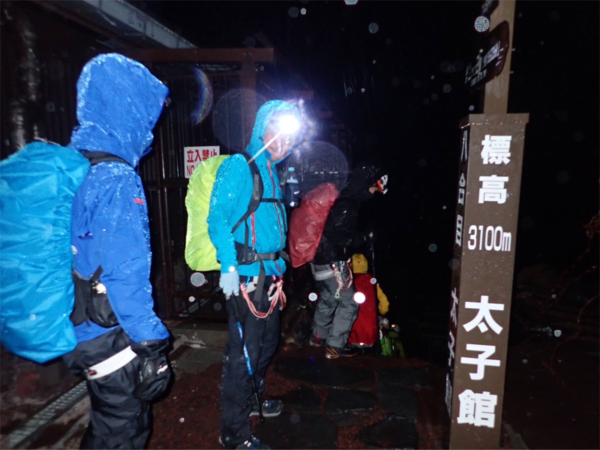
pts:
[308, 221]
[364, 330]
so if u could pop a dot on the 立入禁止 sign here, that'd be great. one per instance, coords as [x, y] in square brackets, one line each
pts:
[195, 155]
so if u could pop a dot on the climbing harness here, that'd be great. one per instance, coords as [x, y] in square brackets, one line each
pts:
[339, 278]
[275, 294]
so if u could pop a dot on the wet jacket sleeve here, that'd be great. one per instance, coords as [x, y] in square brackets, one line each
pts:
[121, 223]
[384, 304]
[222, 216]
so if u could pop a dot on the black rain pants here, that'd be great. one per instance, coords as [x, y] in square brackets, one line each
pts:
[262, 339]
[117, 418]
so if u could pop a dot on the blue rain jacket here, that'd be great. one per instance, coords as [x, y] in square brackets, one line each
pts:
[118, 104]
[231, 196]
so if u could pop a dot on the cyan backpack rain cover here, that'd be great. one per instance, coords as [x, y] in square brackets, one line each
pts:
[37, 186]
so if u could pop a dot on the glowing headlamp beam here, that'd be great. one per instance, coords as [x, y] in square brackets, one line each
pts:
[264, 147]
[287, 125]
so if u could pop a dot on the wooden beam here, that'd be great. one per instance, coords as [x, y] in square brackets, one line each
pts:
[496, 91]
[249, 103]
[202, 55]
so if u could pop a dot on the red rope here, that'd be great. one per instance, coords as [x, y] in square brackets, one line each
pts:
[338, 276]
[275, 294]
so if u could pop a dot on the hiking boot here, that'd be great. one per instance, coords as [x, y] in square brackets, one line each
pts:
[270, 408]
[249, 443]
[344, 352]
[316, 342]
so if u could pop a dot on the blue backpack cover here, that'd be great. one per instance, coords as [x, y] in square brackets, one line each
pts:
[37, 186]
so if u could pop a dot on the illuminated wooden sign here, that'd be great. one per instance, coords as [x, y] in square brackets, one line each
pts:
[490, 61]
[489, 184]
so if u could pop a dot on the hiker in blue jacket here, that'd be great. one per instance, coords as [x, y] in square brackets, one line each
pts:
[251, 269]
[122, 343]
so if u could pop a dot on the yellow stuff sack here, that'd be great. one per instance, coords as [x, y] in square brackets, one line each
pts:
[200, 253]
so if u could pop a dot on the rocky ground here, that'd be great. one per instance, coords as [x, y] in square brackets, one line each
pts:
[368, 401]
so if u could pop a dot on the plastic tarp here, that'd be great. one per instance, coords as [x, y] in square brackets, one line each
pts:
[308, 221]
[38, 184]
[200, 253]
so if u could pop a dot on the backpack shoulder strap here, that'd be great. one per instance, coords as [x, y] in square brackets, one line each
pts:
[257, 192]
[100, 157]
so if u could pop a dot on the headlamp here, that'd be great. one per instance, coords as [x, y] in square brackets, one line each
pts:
[288, 124]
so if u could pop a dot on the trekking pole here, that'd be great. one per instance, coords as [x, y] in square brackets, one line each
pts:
[250, 372]
[372, 245]
[247, 358]
[379, 332]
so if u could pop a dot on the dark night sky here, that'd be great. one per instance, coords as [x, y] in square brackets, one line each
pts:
[411, 123]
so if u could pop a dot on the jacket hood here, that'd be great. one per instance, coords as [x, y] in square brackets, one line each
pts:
[118, 104]
[263, 117]
[362, 178]
[359, 263]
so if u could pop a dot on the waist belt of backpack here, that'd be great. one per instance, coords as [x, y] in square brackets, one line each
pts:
[91, 301]
[110, 365]
[248, 255]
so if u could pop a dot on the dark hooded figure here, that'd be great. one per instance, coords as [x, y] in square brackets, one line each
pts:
[122, 343]
[337, 310]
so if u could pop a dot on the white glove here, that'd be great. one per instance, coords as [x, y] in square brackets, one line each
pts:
[230, 283]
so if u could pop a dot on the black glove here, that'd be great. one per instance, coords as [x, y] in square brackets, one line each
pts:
[155, 373]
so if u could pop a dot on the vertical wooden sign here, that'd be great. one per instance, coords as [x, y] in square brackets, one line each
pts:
[484, 251]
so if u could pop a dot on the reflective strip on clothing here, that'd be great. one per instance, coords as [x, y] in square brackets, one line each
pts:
[322, 272]
[110, 365]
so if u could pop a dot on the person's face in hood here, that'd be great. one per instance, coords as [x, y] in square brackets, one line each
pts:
[266, 128]
[281, 146]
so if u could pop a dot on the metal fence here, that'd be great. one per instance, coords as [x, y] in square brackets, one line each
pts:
[164, 179]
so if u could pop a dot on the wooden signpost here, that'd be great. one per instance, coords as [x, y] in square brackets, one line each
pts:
[488, 190]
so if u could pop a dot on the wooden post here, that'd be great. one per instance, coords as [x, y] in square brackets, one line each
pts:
[496, 91]
[487, 210]
[248, 100]
[482, 278]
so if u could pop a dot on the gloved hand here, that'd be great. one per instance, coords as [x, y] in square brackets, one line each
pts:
[384, 303]
[154, 374]
[370, 233]
[230, 283]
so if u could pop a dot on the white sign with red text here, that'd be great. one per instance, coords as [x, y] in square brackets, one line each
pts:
[195, 155]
